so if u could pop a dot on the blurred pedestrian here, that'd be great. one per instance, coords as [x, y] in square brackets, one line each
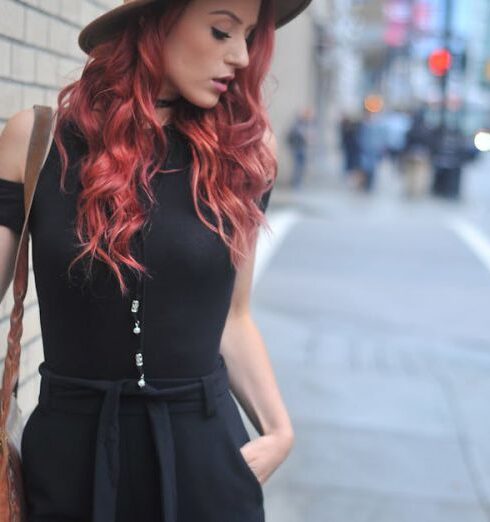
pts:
[415, 163]
[372, 145]
[298, 139]
[397, 124]
[448, 157]
[349, 132]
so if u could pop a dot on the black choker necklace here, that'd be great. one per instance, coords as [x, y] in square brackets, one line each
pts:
[160, 103]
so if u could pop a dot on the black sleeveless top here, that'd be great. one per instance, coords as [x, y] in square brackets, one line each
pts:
[87, 326]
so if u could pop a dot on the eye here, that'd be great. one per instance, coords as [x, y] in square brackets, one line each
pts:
[219, 35]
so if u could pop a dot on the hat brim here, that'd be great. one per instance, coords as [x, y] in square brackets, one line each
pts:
[112, 22]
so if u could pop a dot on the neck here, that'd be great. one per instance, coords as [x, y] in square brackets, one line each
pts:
[163, 102]
[165, 116]
[164, 106]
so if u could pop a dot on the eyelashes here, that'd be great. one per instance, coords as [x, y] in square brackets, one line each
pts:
[220, 35]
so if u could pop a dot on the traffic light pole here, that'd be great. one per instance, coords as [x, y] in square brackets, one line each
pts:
[448, 20]
[449, 149]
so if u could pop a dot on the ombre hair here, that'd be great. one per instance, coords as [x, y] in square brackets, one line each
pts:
[112, 104]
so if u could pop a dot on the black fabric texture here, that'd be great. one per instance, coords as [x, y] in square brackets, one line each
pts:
[12, 205]
[180, 480]
[87, 324]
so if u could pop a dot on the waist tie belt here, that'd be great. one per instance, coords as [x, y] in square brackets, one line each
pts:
[160, 394]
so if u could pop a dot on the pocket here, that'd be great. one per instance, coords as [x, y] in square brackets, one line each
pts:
[236, 436]
[249, 470]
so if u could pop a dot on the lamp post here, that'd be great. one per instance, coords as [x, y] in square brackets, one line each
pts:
[448, 16]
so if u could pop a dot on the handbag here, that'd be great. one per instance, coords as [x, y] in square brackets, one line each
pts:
[12, 498]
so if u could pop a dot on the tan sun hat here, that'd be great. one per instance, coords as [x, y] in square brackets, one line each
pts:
[107, 25]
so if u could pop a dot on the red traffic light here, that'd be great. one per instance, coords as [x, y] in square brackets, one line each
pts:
[440, 62]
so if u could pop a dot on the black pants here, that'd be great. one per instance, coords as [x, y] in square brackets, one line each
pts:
[107, 451]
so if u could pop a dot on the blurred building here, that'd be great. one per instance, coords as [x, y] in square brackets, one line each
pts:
[477, 78]
[382, 48]
[290, 86]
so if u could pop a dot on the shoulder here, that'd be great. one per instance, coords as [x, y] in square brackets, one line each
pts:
[14, 143]
[269, 139]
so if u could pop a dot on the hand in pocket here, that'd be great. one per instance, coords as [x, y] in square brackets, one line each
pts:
[264, 454]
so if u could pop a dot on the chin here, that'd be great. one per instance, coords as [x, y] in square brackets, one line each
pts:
[203, 101]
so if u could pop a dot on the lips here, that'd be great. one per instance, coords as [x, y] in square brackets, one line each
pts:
[227, 78]
[224, 81]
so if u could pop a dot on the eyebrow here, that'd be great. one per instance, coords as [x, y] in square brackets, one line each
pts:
[231, 15]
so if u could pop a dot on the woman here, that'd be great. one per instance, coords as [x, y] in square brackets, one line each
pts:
[143, 229]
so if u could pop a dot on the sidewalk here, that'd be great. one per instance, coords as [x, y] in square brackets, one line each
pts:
[388, 391]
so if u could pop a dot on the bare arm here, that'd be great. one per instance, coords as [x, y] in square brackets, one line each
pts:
[14, 143]
[251, 375]
[250, 371]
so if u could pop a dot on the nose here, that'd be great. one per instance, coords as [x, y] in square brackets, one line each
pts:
[238, 56]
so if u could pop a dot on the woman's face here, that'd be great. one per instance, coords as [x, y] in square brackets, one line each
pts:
[207, 43]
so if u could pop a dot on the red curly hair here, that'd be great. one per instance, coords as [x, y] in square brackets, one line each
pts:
[114, 99]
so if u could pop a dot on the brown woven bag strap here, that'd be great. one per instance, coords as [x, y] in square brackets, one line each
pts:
[36, 155]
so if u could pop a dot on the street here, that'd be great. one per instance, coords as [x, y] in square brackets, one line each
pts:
[374, 311]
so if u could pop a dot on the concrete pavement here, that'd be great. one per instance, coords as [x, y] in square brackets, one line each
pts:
[375, 315]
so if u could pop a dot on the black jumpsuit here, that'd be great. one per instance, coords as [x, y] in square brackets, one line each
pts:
[97, 447]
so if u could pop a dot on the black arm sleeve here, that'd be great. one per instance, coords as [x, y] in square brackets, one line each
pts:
[12, 205]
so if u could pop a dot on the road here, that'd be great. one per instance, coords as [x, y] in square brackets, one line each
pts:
[375, 312]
